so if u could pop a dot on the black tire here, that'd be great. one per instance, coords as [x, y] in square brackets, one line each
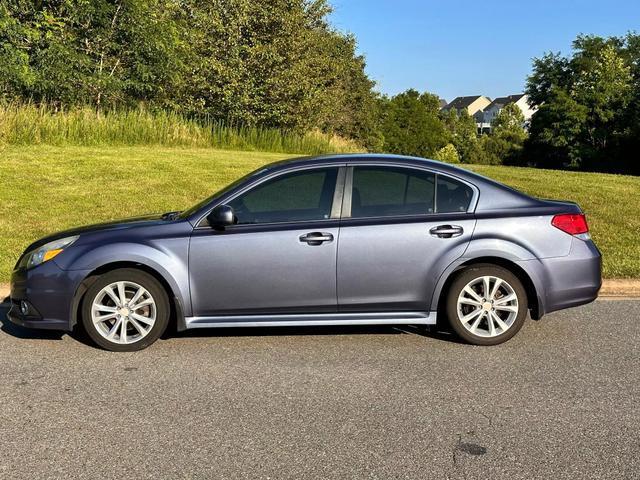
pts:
[470, 274]
[151, 285]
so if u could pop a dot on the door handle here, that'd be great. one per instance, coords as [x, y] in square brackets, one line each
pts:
[316, 238]
[446, 231]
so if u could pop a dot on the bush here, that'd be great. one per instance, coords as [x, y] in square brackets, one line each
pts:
[447, 154]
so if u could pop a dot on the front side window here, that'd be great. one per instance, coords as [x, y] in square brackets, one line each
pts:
[300, 196]
[388, 191]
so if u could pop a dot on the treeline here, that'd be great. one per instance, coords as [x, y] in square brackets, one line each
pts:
[276, 64]
[279, 66]
[589, 107]
[414, 124]
[587, 118]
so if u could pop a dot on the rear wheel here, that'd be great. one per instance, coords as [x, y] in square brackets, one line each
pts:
[125, 310]
[486, 305]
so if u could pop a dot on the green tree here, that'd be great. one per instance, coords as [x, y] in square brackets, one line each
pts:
[274, 64]
[462, 133]
[411, 124]
[586, 106]
[99, 52]
[504, 143]
[447, 154]
[556, 132]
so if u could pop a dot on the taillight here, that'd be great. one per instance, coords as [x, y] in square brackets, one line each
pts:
[573, 224]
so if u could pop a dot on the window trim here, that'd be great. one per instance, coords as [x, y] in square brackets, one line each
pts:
[336, 205]
[348, 189]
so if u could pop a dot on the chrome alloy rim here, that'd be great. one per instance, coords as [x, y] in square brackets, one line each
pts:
[123, 312]
[487, 306]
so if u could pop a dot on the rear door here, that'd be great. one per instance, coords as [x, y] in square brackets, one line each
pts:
[401, 227]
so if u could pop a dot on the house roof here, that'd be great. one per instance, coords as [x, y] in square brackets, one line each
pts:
[459, 103]
[502, 101]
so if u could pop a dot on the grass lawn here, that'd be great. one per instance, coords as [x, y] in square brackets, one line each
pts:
[45, 189]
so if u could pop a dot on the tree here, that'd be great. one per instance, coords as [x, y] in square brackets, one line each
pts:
[447, 154]
[505, 142]
[273, 64]
[411, 125]
[462, 133]
[556, 131]
[586, 106]
[100, 52]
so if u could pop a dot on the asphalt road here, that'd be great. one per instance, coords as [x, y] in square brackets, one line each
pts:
[560, 400]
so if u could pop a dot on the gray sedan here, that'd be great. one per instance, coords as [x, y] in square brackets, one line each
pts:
[332, 240]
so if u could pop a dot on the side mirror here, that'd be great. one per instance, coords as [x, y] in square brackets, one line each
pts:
[221, 216]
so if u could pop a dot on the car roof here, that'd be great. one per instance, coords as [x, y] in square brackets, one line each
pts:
[361, 158]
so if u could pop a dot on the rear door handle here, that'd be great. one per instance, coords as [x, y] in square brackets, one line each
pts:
[446, 231]
[316, 238]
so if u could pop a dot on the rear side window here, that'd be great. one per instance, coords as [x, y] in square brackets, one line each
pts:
[388, 191]
[453, 196]
[293, 197]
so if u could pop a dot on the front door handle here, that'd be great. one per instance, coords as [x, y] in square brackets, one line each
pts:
[446, 231]
[316, 238]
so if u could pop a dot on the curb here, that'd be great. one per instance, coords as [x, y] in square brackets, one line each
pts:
[620, 287]
[611, 287]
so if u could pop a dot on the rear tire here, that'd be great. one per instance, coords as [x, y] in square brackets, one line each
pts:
[125, 310]
[486, 304]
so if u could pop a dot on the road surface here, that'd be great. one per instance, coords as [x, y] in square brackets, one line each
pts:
[560, 400]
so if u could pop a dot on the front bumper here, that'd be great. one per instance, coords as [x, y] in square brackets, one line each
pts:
[49, 291]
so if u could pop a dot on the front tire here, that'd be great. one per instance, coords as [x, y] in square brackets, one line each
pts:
[486, 305]
[125, 310]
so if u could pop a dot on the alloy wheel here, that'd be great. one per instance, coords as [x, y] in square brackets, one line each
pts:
[487, 306]
[123, 312]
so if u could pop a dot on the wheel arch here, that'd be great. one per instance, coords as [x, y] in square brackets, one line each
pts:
[534, 302]
[175, 302]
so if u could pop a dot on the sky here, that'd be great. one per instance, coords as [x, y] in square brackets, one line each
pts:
[458, 47]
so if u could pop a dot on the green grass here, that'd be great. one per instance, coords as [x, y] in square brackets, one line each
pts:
[48, 188]
[40, 125]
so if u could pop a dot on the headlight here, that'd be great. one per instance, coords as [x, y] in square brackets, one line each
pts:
[48, 251]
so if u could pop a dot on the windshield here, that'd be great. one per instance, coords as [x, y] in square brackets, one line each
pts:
[224, 190]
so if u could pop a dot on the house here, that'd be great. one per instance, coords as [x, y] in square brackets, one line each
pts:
[491, 111]
[474, 105]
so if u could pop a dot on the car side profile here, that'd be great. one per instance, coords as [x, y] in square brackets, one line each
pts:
[329, 240]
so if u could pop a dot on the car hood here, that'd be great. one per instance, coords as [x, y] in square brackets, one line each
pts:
[146, 220]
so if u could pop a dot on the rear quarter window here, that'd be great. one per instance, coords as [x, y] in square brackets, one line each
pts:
[452, 196]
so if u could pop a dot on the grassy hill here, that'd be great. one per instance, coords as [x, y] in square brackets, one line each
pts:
[45, 189]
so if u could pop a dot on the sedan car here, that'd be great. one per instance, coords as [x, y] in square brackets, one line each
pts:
[330, 240]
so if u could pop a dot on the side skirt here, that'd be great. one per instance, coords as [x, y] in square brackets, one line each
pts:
[317, 319]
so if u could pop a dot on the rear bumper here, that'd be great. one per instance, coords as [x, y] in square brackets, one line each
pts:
[569, 281]
[49, 293]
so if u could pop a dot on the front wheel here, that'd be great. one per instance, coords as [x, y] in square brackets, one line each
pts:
[125, 310]
[486, 305]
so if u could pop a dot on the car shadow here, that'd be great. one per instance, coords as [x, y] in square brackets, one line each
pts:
[430, 331]
[36, 334]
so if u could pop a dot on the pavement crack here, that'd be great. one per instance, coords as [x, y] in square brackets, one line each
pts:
[487, 417]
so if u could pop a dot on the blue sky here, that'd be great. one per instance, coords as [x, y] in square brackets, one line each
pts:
[460, 47]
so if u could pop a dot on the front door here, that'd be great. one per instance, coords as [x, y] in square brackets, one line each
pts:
[401, 228]
[280, 257]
